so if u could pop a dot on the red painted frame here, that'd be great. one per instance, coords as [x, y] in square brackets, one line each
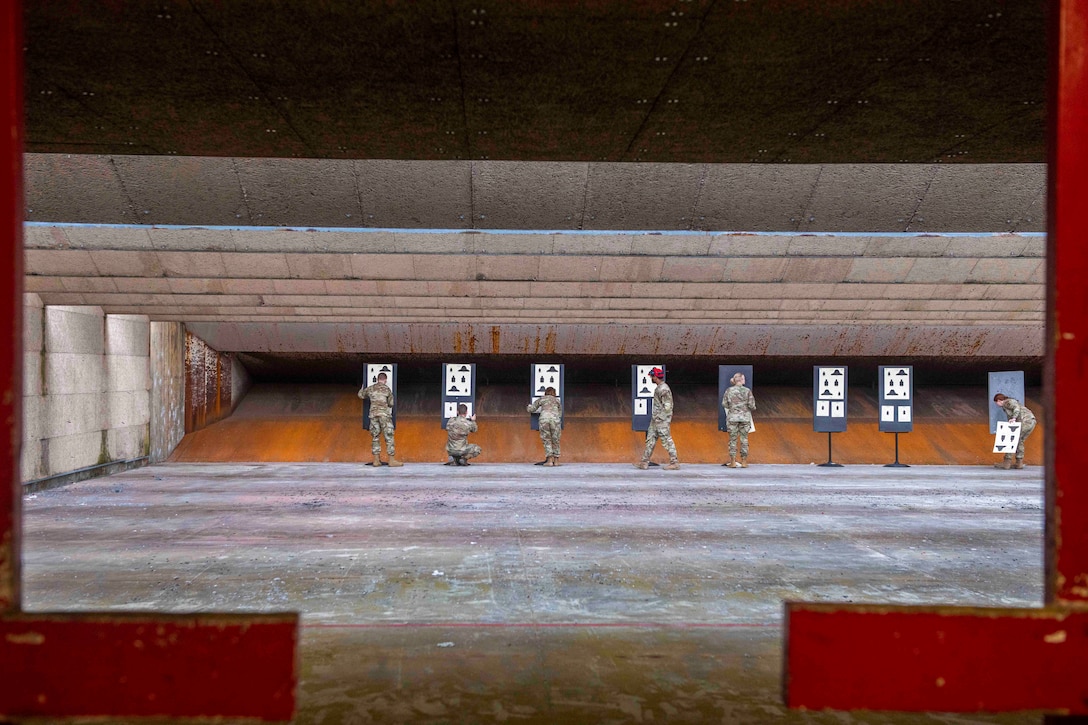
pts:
[879, 657]
[1067, 305]
[973, 659]
[11, 303]
[147, 665]
[951, 659]
[107, 664]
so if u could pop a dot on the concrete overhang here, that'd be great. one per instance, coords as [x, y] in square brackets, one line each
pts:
[813, 291]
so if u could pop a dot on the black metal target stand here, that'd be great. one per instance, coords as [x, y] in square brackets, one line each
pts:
[830, 463]
[896, 463]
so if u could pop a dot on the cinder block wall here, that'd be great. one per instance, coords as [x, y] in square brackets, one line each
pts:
[87, 388]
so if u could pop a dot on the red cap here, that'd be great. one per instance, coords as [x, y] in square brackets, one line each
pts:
[657, 373]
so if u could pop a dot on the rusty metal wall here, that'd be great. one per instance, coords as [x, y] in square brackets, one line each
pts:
[321, 423]
[709, 340]
[208, 384]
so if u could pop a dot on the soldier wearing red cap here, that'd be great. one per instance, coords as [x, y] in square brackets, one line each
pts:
[660, 419]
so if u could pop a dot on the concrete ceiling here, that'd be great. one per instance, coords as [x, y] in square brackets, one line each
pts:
[463, 195]
[276, 174]
[676, 81]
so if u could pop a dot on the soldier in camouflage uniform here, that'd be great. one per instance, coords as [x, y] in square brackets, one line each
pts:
[381, 420]
[551, 427]
[660, 420]
[457, 430]
[1020, 414]
[739, 403]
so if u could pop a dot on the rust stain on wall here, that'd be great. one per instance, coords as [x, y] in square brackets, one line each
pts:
[207, 384]
[495, 333]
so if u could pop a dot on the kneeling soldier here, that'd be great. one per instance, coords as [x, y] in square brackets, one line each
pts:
[457, 430]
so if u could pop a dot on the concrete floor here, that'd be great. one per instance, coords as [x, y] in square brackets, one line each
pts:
[515, 593]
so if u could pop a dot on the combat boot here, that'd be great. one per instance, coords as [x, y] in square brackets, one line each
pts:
[377, 460]
[732, 462]
[1005, 464]
[673, 465]
[555, 460]
[743, 462]
[1019, 463]
[549, 460]
[642, 465]
[394, 463]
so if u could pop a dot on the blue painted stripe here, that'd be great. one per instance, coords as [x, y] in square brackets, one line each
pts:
[563, 232]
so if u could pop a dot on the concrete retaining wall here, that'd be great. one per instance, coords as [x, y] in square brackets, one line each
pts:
[86, 390]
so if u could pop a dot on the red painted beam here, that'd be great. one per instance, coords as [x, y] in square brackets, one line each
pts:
[954, 659]
[106, 664]
[11, 298]
[148, 665]
[1067, 306]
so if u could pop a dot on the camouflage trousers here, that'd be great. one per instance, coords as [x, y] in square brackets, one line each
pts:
[1025, 431]
[659, 430]
[738, 430]
[382, 425]
[550, 430]
[466, 451]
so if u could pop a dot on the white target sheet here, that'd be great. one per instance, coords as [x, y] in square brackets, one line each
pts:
[1007, 437]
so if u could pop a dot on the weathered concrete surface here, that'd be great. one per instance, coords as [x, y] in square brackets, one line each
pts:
[31, 462]
[887, 283]
[487, 195]
[86, 390]
[167, 424]
[322, 423]
[503, 593]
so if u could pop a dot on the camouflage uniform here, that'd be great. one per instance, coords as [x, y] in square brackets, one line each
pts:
[551, 416]
[660, 419]
[457, 430]
[1020, 414]
[739, 403]
[381, 417]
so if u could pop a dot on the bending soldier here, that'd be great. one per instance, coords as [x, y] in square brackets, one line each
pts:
[739, 403]
[381, 420]
[1020, 414]
[551, 416]
[660, 420]
[457, 430]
